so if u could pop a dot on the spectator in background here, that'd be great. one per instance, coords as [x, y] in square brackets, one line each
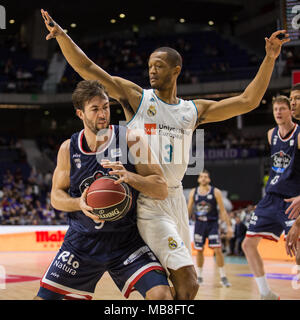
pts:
[27, 202]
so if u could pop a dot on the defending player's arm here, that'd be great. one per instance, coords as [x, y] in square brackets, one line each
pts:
[149, 178]
[191, 202]
[223, 213]
[212, 111]
[126, 92]
[60, 199]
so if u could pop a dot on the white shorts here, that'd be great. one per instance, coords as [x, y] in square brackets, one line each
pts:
[164, 226]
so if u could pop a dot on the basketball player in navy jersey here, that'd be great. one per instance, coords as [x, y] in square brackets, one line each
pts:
[269, 219]
[161, 114]
[91, 246]
[203, 202]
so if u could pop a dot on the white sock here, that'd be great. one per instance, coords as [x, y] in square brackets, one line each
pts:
[262, 284]
[222, 272]
[199, 269]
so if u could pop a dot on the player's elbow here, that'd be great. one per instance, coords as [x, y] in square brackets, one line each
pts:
[161, 188]
[248, 102]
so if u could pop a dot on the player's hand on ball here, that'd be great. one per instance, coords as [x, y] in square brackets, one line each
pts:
[274, 44]
[54, 29]
[87, 210]
[118, 170]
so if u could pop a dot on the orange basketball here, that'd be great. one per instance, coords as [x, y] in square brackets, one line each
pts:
[109, 201]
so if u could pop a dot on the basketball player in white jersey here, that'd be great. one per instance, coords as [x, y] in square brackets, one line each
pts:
[164, 224]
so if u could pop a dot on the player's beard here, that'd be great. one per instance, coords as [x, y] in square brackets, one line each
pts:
[94, 126]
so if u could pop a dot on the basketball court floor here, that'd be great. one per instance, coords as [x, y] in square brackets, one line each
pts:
[23, 271]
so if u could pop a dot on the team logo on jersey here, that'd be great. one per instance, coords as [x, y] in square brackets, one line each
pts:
[280, 161]
[275, 140]
[209, 196]
[172, 243]
[116, 153]
[98, 175]
[203, 208]
[292, 141]
[151, 111]
[89, 180]
[77, 162]
[150, 128]
[152, 100]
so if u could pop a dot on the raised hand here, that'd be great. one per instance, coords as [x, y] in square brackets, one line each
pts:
[274, 44]
[54, 29]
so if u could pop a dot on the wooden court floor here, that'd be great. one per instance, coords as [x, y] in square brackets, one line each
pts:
[17, 265]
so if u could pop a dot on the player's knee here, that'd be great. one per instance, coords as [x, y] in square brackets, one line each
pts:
[246, 244]
[218, 251]
[159, 293]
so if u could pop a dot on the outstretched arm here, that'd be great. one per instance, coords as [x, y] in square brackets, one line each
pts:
[124, 91]
[212, 111]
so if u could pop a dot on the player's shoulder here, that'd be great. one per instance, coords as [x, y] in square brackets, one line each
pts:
[193, 190]
[66, 145]
[216, 191]
[270, 133]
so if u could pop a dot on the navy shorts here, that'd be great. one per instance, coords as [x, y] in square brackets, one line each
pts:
[82, 261]
[204, 230]
[269, 219]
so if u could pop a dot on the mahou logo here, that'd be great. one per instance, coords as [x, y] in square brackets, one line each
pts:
[46, 236]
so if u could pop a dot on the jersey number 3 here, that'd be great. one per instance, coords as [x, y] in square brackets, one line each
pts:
[169, 149]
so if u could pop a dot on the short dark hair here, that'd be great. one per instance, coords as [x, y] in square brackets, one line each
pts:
[281, 99]
[174, 57]
[295, 87]
[85, 91]
[205, 171]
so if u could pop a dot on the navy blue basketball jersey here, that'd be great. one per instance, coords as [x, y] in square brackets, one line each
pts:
[284, 176]
[86, 168]
[206, 206]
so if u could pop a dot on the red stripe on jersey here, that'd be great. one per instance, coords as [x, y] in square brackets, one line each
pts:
[138, 277]
[64, 292]
[262, 235]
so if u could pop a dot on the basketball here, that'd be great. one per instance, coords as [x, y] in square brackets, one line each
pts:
[109, 201]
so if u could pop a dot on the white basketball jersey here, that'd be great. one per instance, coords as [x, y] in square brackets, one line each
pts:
[169, 129]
